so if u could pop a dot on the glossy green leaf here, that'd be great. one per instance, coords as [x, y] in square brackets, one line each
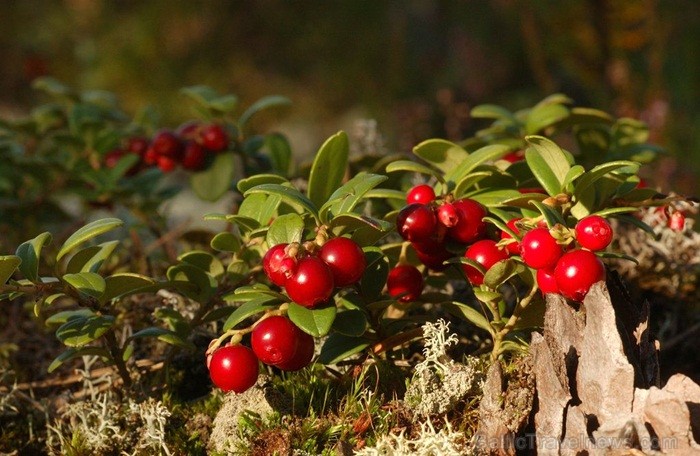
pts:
[413, 167]
[285, 229]
[73, 353]
[339, 347]
[600, 171]
[502, 271]
[467, 182]
[328, 168]
[548, 163]
[88, 232]
[551, 215]
[288, 194]
[29, 253]
[493, 197]
[213, 182]
[200, 94]
[280, 153]
[543, 116]
[387, 194]
[616, 210]
[468, 313]
[90, 259]
[522, 200]
[574, 173]
[491, 111]
[225, 242]
[250, 308]
[8, 266]
[376, 273]
[205, 284]
[266, 102]
[87, 283]
[125, 283]
[350, 323]
[164, 335]
[204, 261]
[476, 158]
[80, 331]
[636, 222]
[224, 103]
[443, 154]
[60, 318]
[315, 322]
[259, 179]
[174, 319]
[344, 199]
[348, 223]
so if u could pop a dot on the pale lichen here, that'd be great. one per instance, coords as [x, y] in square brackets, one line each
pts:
[429, 442]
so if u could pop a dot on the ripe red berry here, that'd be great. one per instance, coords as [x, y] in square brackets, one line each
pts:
[422, 194]
[274, 340]
[470, 227]
[593, 233]
[303, 355]
[514, 247]
[432, 254]
[193, 156]
[345, 259]
[539, 249]
[405, 283]
[676, 221]
[447, 214]
[166, 164]
[416, 222]
[516, 156]
[546, 281]
[165, 143]
[137, 145]
[576, 271]
[276, 266]
[150, 157]
[234, 368]
[214, 137]
[486, 253]
[311, 284]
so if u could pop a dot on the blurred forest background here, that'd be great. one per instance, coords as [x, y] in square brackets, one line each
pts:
[415, 66]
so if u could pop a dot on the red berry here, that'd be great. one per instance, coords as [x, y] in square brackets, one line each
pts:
[112, 157]
[345, 259]
[514, 247]
[516, 156]
[190, 130]
[150, 158]
[432, 254]
[193, 156]
[311, 284]
[165, 143]
[166, 164]
[546, 281]
[234, 368]
[405, 283]
[275, 265]
[416, 222]
[303, 355]
[593, 233]
[576, 271]
[470, 227]
[447, 214]
[214, 137]
[532, 190]
[486, 253]
[274, 340]
[676, 221]
[137, 145]
[422, 194]
[539, 249]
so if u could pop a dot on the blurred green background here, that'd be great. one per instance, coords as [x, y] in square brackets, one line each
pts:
[417, 67]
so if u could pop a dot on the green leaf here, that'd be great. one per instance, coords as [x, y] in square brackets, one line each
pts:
[328, 168]
[259, 179]
[87, 283]
[52, 86]
[205, 284]
[636, 222]
[224, 103]
[226, 242]
[79, 331]
[250, 308]
[200, 94]
[469, 181]
[267, 102]
[551, 215]
[212, 183]
[493, 197]
[164, 335]
[339, 347]
[280, 152]
[574, 173]
[476, 158]
[8, 266]
[88, 232]
[73, 353]
[387, 194]
[124, 283]
[500, 272]
[413, 167]
[29, 253]
[344, 199]
[350, 323]
[315, 322]
[285, 229]
[348, 223]
[60, 318]
[444, 154]
[548, 163]
[375, 275]
[288, 194]
[602, 170]
[468, 313]
[174, 319]
[491, 111]
[204, 261]
[90, 259]
[543, 116]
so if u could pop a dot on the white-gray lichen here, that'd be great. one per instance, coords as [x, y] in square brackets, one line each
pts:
[428, 443]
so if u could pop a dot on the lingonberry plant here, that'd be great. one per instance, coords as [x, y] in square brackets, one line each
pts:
[358, 259]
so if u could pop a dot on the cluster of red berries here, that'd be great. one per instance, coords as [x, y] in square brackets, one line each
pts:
[188, 147]
[309, 275]
[571, 269]
[275, 341]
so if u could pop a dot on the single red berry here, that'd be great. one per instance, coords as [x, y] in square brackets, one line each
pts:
[513, 247]
[112, 157]
[234, 368]
[539, 249]
[137, 144]
[193, 156]
[274, 340]
[275, 265]
[676, 221]
[311, 284]
[593, 232]
[546, 281]
[470, 227]
[150, 158]
[345, 259]
[165, 143]
[405, 283]
[166, 164]
[485, 252]
[447, 214]
[527, 190]
[214, 137]
[416, 222]
[303, 355]
[516, 156]
[576, 271]
[422, 194]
